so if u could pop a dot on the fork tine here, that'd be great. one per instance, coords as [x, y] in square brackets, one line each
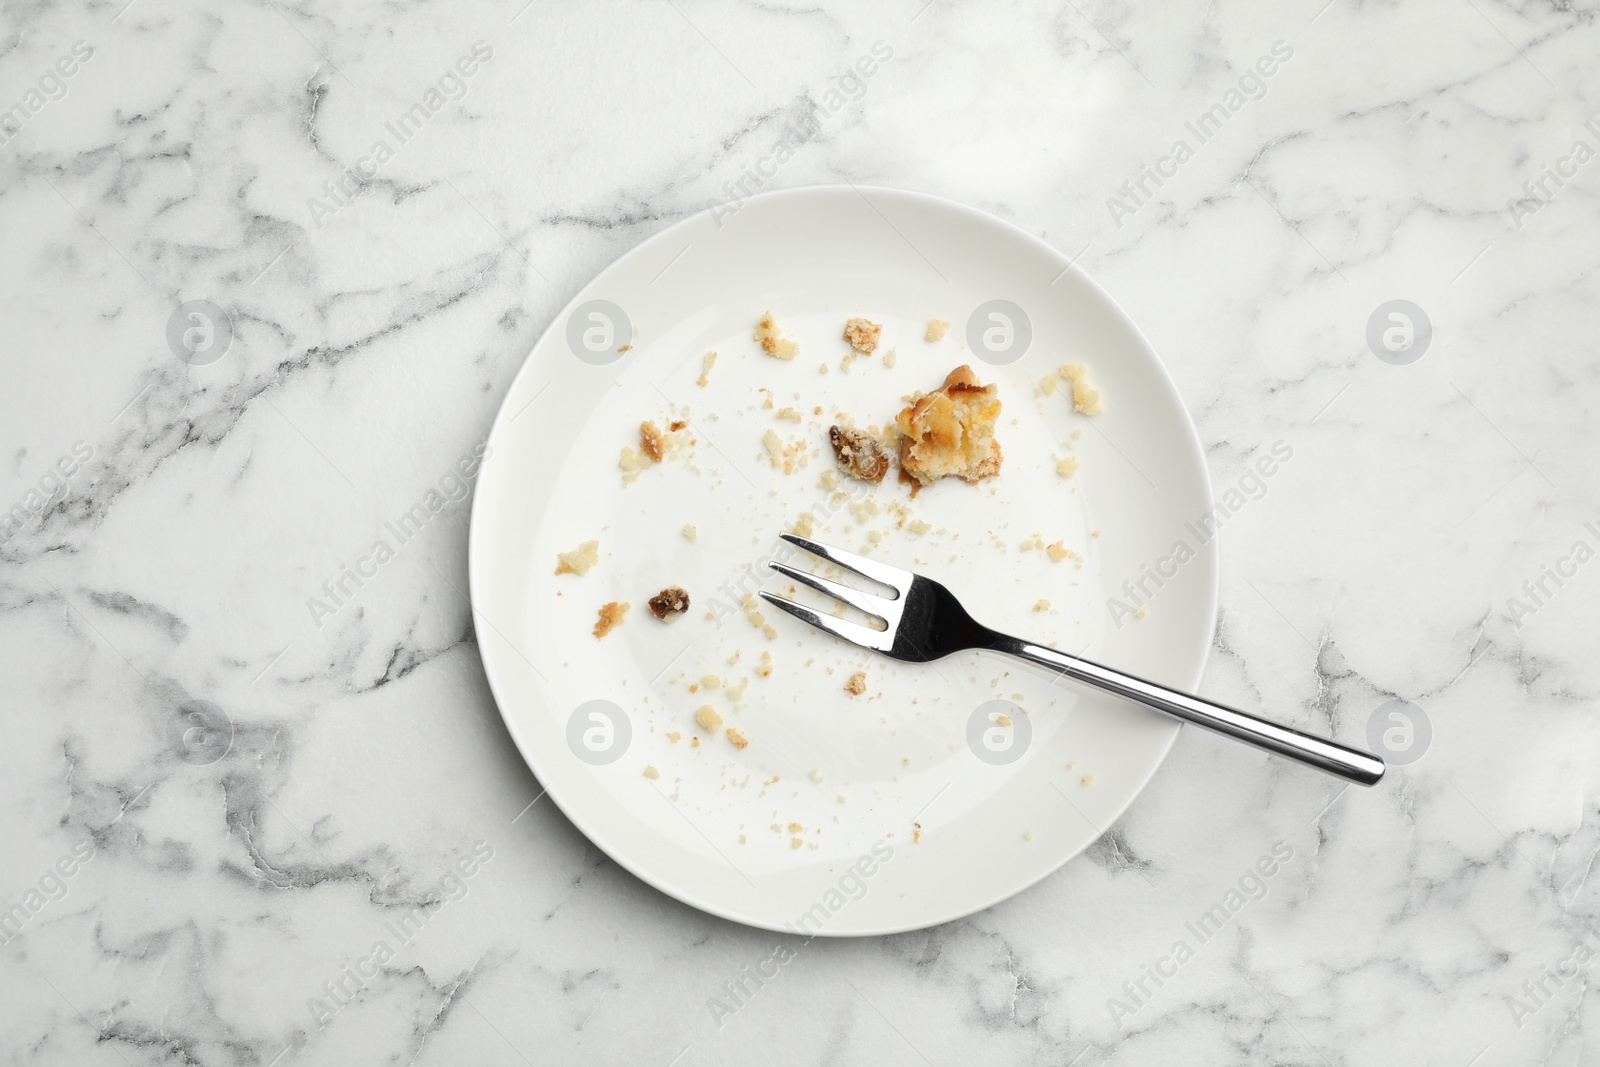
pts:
[867, 602]
[853, 632]
[893, 577]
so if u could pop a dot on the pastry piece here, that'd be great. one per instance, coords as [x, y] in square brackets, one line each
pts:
[858, 453]
[950, 432]
[862, 335]
[669, 603]
[610, 615]
[771, 343]
[579, 560]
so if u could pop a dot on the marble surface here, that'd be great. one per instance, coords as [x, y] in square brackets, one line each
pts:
[171, 900]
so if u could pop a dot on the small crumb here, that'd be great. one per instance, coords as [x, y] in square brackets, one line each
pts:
[579, 560]
[890, 358]
[765, 669]
[610, 615]
[936, 329]
[739, 739]
[674, 736]
[651, 772]
[816, 775]
[1003, 719]
[711, 681]
[862, 335]
[1085, 398]
[669, 603]
[829, 479]
[857, 683]
[916, 833]
[690, 533]
[651, 443]
[771, 343]
[795, 842]
[1139, 614]
[795, 828]
[804, 524]
[1088, 779]
[1047, 385]
[1066, 466]
[706, 364]
[1041, 605]
[1027, 835]
[707, 717]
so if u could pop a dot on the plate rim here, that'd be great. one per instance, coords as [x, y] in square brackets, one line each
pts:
[1212, 592]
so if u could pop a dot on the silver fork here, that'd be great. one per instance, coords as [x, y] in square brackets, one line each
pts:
[926, 622]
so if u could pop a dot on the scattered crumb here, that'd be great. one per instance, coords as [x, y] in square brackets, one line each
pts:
[690, 533]
[858, 454]
[916, 833]
[804, 524]
[771, 343]
[579, 560]
[792, 414]
[936, 329]
[1085, 398]
[706, 364]
[651, 772]
[1088, 779]
[1027, 835]
[610, 615]
[829, 479]
[890, 358]
[765, 669]
[1042, 605]
[1139, 614]
[752, 611]
[674, 736]
[671, 601]
[1066, 466]
[739, 740]
[857, 683]
[651, 442]
[707, 717]
[795, 842]
[862, 335]
[816, 775]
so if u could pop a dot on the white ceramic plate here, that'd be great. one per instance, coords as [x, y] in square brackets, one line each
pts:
[910, 804]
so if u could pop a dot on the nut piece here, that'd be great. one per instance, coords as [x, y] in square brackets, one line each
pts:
[670, 602]
[579, 560]
[771, 343]
[610, 615]
[857, 683]
[862, 335]
[950, 432]
[858, 453]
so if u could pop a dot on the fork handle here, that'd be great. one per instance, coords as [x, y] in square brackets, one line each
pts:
[1351, 764]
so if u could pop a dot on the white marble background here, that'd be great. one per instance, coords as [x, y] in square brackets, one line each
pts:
[373, 345]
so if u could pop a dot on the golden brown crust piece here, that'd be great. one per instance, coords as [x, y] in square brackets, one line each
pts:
[858, 454]
[950, 432]
[670, 602]
[651, 441]
[862, 335]
[610, 615]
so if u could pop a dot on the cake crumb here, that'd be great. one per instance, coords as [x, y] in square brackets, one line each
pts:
[739, 739]
[862, 335]
[858, 454]
[670, 602]
[1027, 835]
[1088, 779]
[771, 342]
[1041, 605]
[916, 833]
[936, 329]
[690, 533]
[1003, 719]
[890, 358]
[1141, 613]
[1066, 466]
[650, 771]
[795, 842]
[816, 775]
[674, 736]
[579, 560]
[803, 525]
[857, 683]
[1085, 398]
[950, 432]
[709, 361]
[651, 443]
[707, 717]
[610, 615]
